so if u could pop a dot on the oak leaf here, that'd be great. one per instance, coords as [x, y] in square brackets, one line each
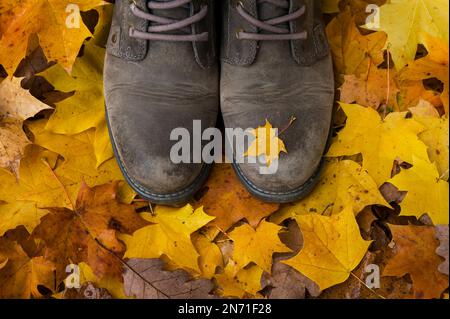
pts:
[380, 142]
[257, 246]
[48, 19]
[230, 202]
[170, 235]
[414, 249]
[333, 247]
[427, 193]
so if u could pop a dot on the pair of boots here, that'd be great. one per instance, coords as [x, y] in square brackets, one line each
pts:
[163, 71]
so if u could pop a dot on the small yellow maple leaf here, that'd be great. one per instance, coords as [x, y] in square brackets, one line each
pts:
[170, 235]
[333, 247]
[427, 193]
[258, 245]
[266, 143]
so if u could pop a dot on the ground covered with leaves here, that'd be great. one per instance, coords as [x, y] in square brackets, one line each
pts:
[382, 205]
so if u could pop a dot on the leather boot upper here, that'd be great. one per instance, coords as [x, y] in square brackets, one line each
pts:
[154, 87]
[277, 80]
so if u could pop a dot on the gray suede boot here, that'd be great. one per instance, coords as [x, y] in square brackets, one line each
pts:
[161, 73]
[276, 65]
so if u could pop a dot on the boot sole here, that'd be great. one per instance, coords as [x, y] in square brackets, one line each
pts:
[176, 199]
[286, 197]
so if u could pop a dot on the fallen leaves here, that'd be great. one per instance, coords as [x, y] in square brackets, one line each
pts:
[379, 141]
[48, 19]
[88, 232]
[16, 105]
[21, 275]
[333, 247]
[63, 200]
[170, 235]
[423, 178]
[257, 246]
[415, 255]
[228, 200]
[407, 24]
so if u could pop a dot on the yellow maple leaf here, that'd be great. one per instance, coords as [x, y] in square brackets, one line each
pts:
[436, 135]
[353, 52]
[39, 184]
[20, 213]
[427, 193]
[343, 184]
[408, 22]
[258, 245]
[333, 247]
[170, 235]
[266, 143]
[85, 109]
[237, 282]
[379, 141]
[60, 40]
[210, 255]
[434, 65]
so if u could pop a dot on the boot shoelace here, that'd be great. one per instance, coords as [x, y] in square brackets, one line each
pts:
[277, 33]
[163, 24]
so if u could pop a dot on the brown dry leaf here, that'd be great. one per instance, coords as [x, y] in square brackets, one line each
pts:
[285, 282]
[373, 89]
[150, 281]
[21, 274]
[415, 254]
[16, 105]
[77, 236]
[230, 202]
[442, 250]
